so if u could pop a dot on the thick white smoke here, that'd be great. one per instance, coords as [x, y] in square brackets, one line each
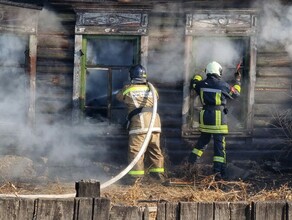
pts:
[275, 24]
[63, 148]
[224, 50]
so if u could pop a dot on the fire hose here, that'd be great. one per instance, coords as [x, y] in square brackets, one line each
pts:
[118, 176]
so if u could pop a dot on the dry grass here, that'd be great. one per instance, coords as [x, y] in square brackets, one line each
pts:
[208, 190]
[204, 189]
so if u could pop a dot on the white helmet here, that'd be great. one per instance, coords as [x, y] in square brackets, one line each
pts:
[214, 68]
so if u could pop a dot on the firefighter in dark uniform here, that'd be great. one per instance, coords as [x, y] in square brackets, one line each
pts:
[139, 101]
[213, 93]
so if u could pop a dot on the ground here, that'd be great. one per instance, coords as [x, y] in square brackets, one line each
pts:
[196, 183]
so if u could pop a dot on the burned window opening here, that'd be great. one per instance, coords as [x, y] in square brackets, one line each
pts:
[231, 53]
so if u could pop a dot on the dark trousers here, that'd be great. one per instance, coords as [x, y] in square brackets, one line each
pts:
[219, 158]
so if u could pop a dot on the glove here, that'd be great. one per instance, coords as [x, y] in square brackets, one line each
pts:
[192, 158]
[237, 76]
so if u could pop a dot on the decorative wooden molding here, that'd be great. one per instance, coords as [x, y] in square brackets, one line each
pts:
[232, 22]
[111, 23]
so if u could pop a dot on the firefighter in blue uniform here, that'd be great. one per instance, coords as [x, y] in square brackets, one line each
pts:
[213, 93]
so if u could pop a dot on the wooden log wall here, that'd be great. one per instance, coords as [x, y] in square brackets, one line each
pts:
[102, 209]
[166, 66]
[273, 100]
[166, 28]
[55, 62]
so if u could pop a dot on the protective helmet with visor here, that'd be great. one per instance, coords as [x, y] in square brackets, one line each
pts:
[214, 68]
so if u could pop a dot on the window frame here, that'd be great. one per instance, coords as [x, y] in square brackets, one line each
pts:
[221, 23]
[108, 68]
[99, 23]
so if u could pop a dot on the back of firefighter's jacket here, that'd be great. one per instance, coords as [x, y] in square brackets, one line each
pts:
[139, 96]
[213, 94]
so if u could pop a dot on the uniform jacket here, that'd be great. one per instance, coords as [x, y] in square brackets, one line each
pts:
[214, 93]
[139, 96]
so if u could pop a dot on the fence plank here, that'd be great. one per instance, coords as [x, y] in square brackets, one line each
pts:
[101, 209]
[83, 208]
[125, 213]
[269, 210]
[172, 211]
[161, 211]
[87, 188]
[221, 211]
[289, 211]
[188, 211]
[205, 210]
[55, 209]
[17, 209]
[240, 211]
[146, 213]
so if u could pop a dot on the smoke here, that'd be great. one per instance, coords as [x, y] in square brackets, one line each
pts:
[166, 59]
[275, 25]
[228, 52]
[67, 151]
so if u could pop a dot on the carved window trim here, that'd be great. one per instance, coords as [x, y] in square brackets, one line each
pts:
[239, 23]
[125, 23]
[105, 23]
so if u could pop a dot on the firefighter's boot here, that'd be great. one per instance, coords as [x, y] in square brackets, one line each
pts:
[158, 177]
[130, 180]
[219, 171]
[192, 158]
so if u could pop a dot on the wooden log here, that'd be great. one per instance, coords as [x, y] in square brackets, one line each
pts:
[221, 211]
[274, 71]
[56, 42]
[56, 53]
[272, 96]
[269, 210]
[272, 133]
[270, 109]
[101, 209]
[125, 212]
[240, 211]
[83, 208]
[205, 210]
[17, 209]
[87, 188]
[61, 209]
[188, 211]
[273, 59]
[62, 80]
[274, 82]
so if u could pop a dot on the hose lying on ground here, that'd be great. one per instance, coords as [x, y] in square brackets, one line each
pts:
[122, 173]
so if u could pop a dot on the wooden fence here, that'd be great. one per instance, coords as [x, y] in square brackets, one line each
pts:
[84, 208]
